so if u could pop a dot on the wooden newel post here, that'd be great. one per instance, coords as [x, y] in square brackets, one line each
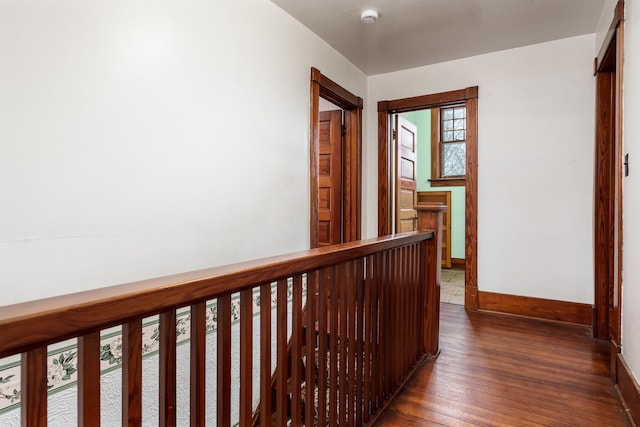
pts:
[430, 219]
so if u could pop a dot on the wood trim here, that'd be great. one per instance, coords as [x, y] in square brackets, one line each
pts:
[385, 108]
[448, 182]
[561, 311]
[615, 323]
[352, 182]
[33, 382]
[246, 357]
[198, 364]
[132, 373]
[608, 192]
[89, 379]
[334, 92]
[603, 202]
[458, 263]
[167, 371]
[471, 204]
[314, 154]
[223, 361]
[384, 174]
[322, 86]
[628, 391]
[436, 172]
[432, 100]
[618, 16]
[435, 137]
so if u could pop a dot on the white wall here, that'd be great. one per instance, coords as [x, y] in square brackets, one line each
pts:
[139, 139]
[631, 189]
[536, 112]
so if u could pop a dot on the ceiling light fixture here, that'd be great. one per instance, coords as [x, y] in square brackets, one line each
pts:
[369, 16]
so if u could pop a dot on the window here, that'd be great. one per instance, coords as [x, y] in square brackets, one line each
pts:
[448, 145]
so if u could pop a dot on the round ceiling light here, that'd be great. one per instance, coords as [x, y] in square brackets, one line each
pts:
[369, 16]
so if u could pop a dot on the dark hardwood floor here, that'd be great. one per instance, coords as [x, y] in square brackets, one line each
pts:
[507, 371]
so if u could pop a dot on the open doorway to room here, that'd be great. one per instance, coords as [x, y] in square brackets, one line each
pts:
[440, 146]
[452, 166]
[335, 163]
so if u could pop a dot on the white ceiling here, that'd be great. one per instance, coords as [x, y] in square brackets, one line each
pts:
[412, 33]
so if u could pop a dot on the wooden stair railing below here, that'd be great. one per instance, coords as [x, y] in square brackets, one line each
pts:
[372, 332]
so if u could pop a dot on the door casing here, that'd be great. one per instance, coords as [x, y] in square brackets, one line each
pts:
[385, 197]
[322, 86]
[608, 66]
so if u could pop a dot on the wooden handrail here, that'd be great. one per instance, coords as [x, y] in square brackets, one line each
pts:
[34, 323]
[365, 325]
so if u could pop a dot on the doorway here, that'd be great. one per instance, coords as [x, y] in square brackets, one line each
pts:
[335, 178]
[387, 171]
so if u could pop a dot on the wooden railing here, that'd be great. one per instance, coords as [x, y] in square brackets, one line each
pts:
[350, 324]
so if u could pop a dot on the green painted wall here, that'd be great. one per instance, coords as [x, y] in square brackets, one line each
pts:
[422, 120]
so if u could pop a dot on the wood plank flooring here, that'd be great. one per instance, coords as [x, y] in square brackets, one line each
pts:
[498, 370]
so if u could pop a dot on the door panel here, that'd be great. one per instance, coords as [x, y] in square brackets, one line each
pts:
[330, 179]
[406, 147]
[443, 197]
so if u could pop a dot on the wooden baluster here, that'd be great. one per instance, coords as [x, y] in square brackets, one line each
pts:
[359, 341]
[132, 373]
[418, 301]
[223, 368]
[309, 402]
[367, 310]
[401, 337]
[89, 380]
[296, 352]
[404, 271]
[265, 355]
[412, 299]
[351, 333]
[383, 345]
[333, 345]
[387, 323]
[325, 276]
[167, 396]
[394, 315]
[404, 301]
[342, 382]
[198, 364]
[424, 274]
[396, 291]
[33, 381]
[282, 354]
[375, 332]
[246, 357]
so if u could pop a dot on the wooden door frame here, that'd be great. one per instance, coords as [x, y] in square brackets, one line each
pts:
[385, 198]
[608, 68]
[322, 86]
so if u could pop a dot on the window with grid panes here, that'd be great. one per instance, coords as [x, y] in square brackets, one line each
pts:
[452, 146]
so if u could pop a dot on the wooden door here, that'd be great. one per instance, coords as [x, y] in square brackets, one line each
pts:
[406, 149]
[330, 179]
[443, 197]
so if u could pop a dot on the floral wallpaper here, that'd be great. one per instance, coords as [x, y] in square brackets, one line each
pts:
[62, 361]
